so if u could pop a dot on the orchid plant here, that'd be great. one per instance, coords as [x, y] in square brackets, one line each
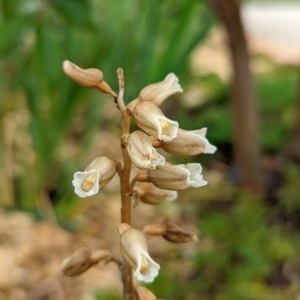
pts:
[157, 180]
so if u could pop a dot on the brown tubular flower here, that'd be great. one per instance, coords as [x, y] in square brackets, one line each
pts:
[151, 119]
[141, 152]
[150, 194]
[90, 78]
[82, 259]
[159, 92]
[177, 177]
[135, 250]
[170, 231]
[77, 263]
[189, 143]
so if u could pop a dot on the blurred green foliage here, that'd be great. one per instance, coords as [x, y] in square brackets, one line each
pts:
[246, 251]
[276, 90]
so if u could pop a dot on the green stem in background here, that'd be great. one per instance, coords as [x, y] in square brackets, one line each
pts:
[124, 173]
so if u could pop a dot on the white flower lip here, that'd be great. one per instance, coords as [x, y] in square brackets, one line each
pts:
[166, 129]
[146, 274]
[141, 152]
[79, 177]
[195, 179]
[173, 81]
[201, 134]
[98, 173]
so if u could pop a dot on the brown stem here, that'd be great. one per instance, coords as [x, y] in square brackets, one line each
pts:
[124, 173]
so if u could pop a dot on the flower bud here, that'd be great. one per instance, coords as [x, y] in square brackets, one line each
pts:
[151, 119]
[82, 259]
[144, 294]
[177, 177]
[96, 175]
[189, 143]
[135, 251]
[99, 255]
[150, 194]
[170, 231]
[90, 78]
[77, 263]
[159, 92]
[176, 234]
[155, 229]
[141, 152]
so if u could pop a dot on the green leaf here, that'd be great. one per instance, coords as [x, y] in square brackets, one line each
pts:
[50, 52]
[74, 11]
[10, 33]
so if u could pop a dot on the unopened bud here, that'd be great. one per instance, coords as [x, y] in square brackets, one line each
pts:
[155, 229]
[176, 234]
[144, 294]
[82, 259]
[77, 263]
[170, 231]
[90, 78]
[150, 194]
[99, 255]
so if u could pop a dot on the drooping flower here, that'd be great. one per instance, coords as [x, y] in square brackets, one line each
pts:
[177, 177]
[96, 175]
[189, 143]
[90, 78]
[160, 91]
[82, 259]
[141, 152]
[170, 231]
[77, 263]
[150, 194]
[135, 250]
[151, 119]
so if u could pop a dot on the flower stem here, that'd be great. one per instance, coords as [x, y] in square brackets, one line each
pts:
[124, 173]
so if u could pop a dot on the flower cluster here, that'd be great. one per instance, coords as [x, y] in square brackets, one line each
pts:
[157, 180]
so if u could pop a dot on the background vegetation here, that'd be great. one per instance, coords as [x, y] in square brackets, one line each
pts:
[249, 244]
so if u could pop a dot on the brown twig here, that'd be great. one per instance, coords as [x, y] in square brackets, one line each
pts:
[124, 173]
